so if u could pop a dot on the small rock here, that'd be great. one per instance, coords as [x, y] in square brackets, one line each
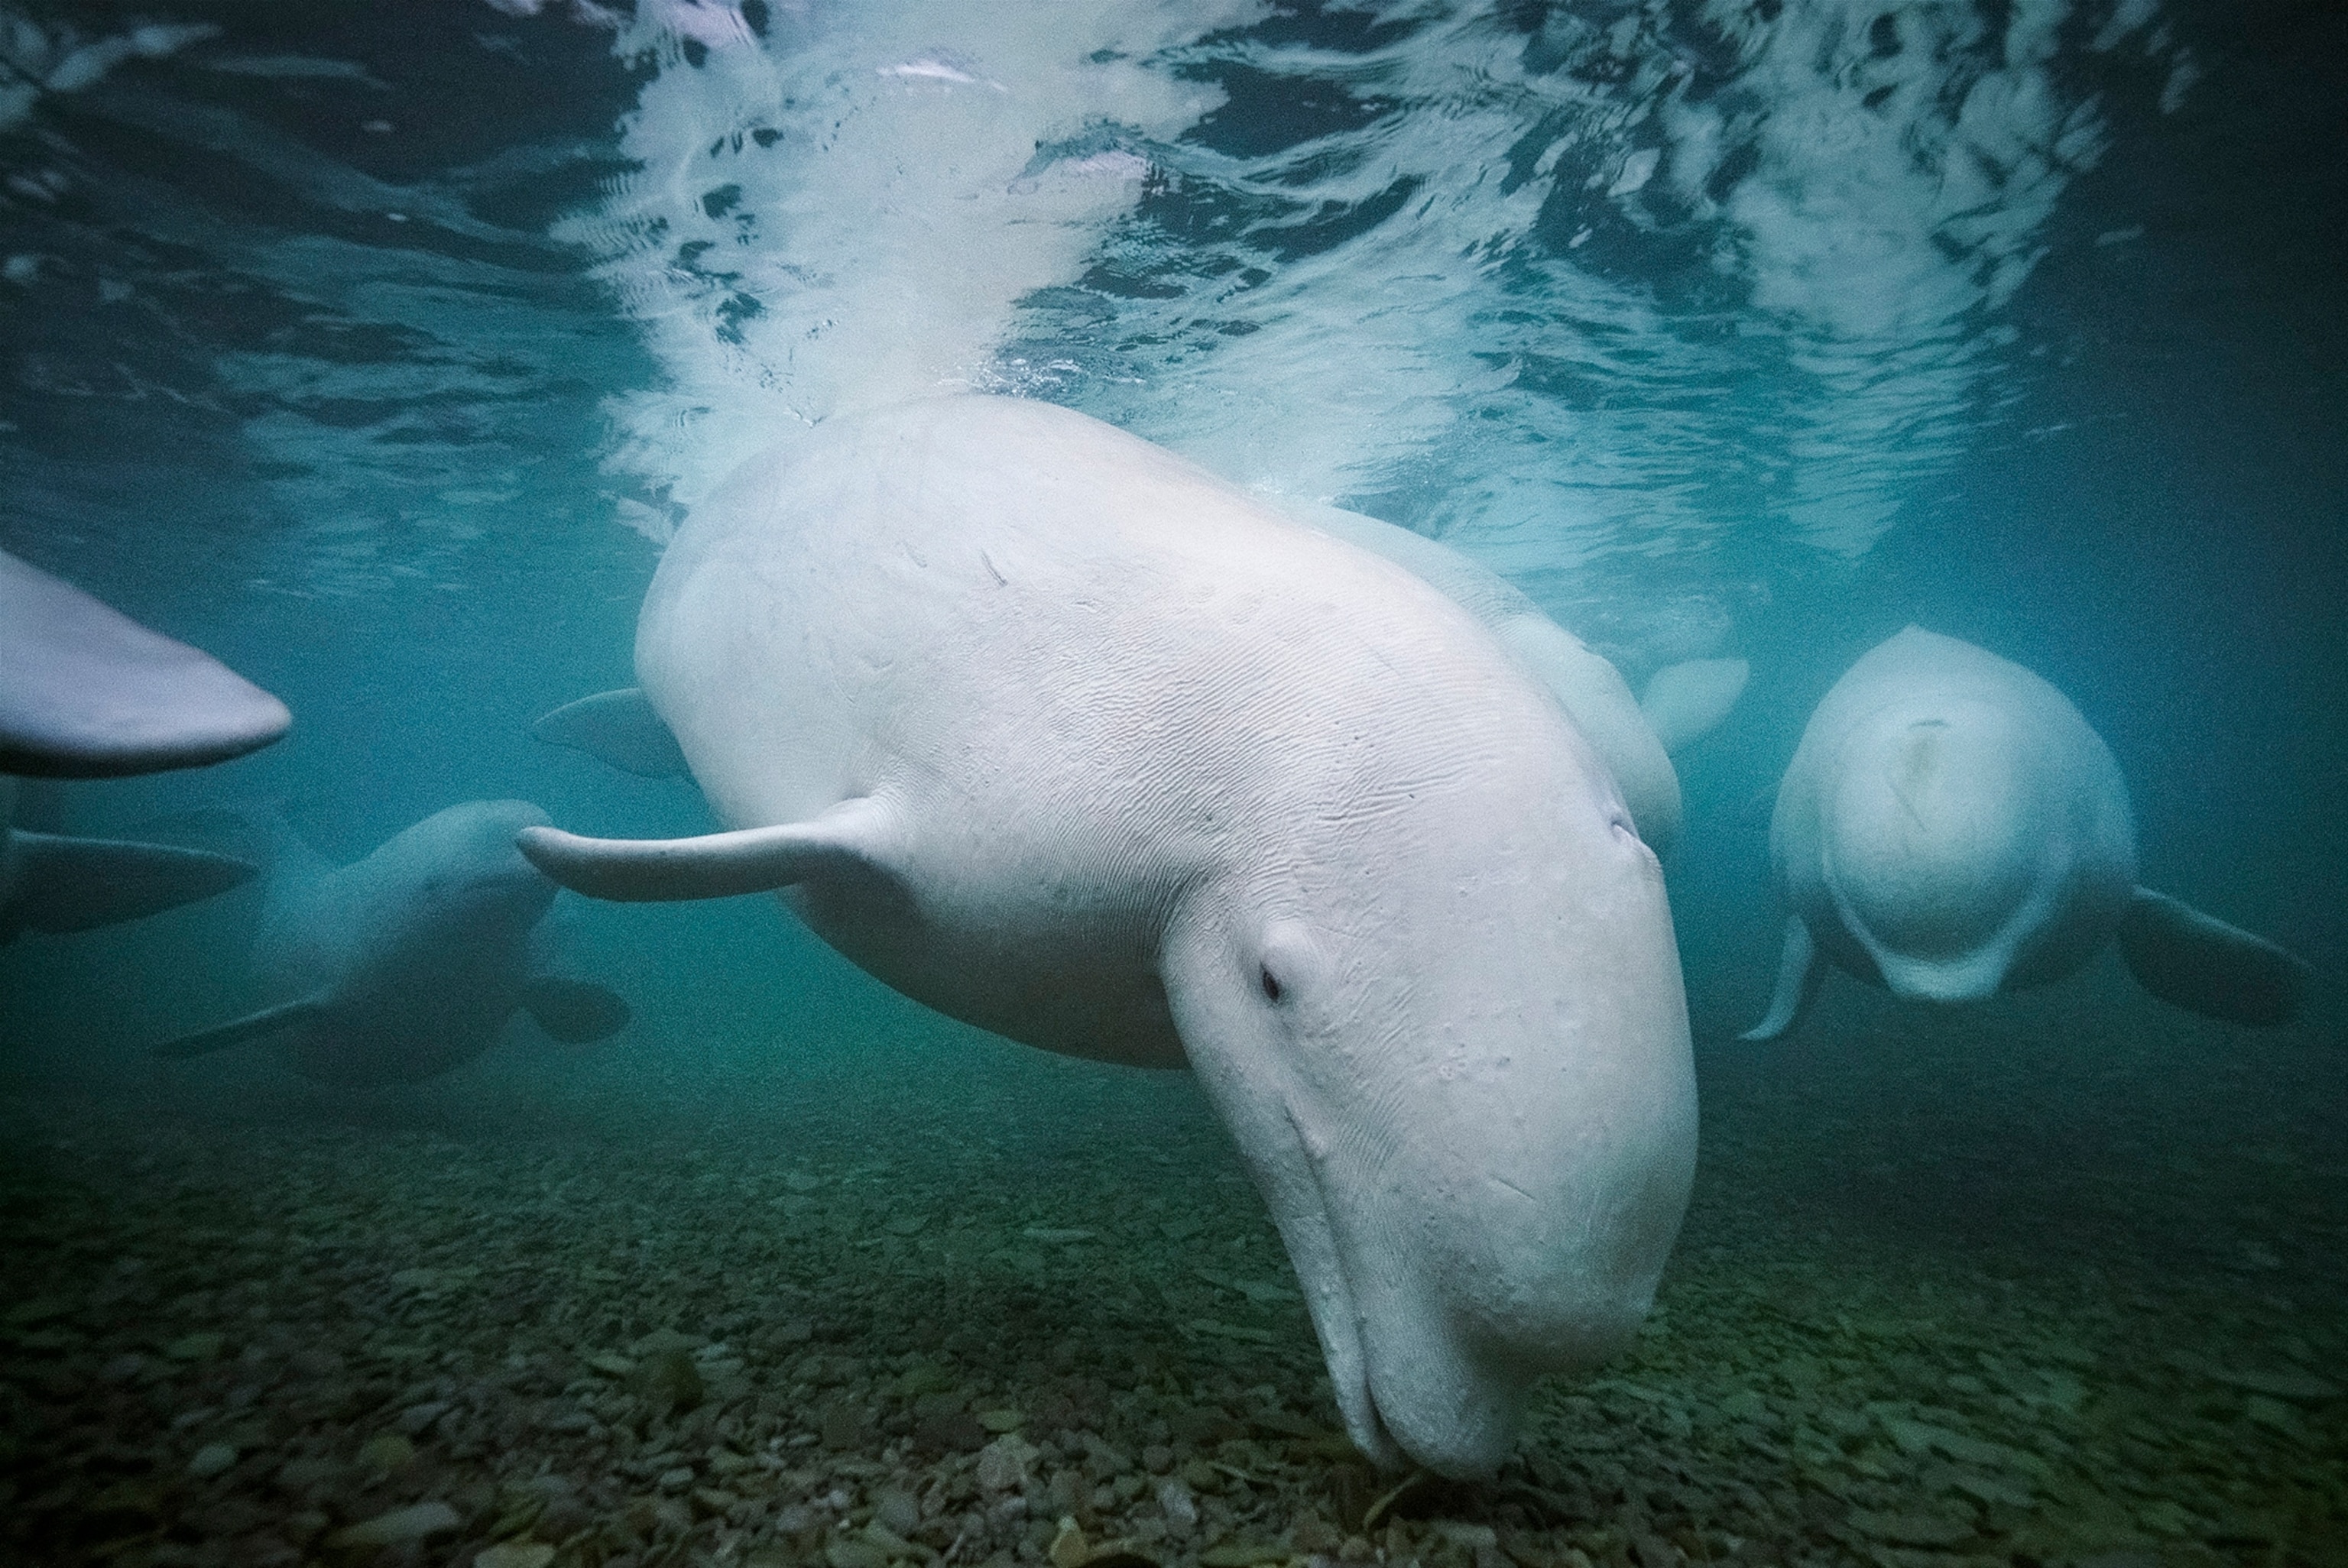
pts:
[1003, 1464]
[949, 1431]
[907, 1224]
[1001, 1420]
[1910, 1529]
[211, 1460]
[1069, 1548]
[1465, 1534]
[853, 1552]
[386, 1451]
[611, 1363]
[316, 1363]
[1182, 1511]
[897, 1509]
[412, 1522]
[845, 1425]
[515, 1555]
[415, 1418]
[196, 1347]
[669, 1377]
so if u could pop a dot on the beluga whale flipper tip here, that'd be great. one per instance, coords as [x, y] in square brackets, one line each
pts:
[88, 693]
[1951, 827]
[1065, 738]
[408, 962]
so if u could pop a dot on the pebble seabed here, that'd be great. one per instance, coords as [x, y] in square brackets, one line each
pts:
[1992, 1297]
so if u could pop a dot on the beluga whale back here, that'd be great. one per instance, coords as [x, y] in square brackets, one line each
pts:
[1065, 738]
[408, 963]
[1951, 827]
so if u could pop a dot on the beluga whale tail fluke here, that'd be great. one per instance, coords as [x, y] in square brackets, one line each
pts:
[1070, 740]
[1951, 827]
[408, 962]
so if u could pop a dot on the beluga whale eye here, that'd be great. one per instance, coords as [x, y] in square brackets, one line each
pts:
[1288, 964]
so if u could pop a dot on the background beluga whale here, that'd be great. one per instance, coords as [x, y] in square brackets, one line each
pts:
[1066, 738]
[1951, 827]
[88, 693]
[408, 962]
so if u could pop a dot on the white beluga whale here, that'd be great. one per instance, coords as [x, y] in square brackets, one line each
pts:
[1951, 827]
[1636, 737]
[1065, 738]
[88, 693]
[408, 962]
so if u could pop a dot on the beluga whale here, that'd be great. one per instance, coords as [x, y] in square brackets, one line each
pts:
[409, 962]
[1066, 738]
[88, 693]
[1951, 827]
[1636, 737]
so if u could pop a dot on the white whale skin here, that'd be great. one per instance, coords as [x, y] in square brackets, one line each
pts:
[1065, 738]
[408, 963]
[88, 693]
[1950, 827]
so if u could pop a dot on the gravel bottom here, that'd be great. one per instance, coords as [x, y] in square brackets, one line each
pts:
[1987, 1298]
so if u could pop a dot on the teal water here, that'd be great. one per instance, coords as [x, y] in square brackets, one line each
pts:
[377, 352]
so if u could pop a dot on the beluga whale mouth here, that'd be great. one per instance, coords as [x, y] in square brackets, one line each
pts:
[1010, 706]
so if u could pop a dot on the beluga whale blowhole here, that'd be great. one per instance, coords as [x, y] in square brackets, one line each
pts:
[1066, 738]
[408, 963]
[1950, 827]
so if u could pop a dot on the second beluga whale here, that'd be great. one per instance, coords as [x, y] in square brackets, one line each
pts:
[1065, 737]
[409, 962]
[1951, 827]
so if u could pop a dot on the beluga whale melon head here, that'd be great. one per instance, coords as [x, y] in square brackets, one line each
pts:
[1065, 738]
[1951, 827]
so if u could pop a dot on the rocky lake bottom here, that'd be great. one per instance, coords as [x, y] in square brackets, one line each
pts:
[1962, 1288]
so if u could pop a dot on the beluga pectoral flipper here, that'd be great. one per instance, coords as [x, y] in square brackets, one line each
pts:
[1951, 827]
[1065, 738]
[618, 728]
[713, 866]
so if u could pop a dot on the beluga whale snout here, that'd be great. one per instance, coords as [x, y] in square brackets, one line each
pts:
[1065, 738]
[1951, 827]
